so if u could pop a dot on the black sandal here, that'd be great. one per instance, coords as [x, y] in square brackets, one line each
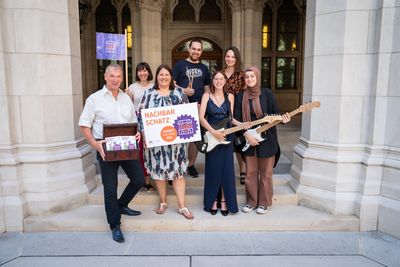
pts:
[242, 177]
[213, 212]
[224, 212]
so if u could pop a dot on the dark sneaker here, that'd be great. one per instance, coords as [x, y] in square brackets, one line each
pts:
[192, 171]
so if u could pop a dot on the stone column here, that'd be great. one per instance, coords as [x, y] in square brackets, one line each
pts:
[44, 166]
[150, 23]
[135, 22]
[252, 29]
[339, 164]
[237, 23]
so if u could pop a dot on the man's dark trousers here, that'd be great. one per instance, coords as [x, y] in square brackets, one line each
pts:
[109, 177]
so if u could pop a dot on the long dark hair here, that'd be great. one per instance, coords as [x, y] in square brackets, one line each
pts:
[171, 84]
[236, 52]
[143, 66]
[212, 87]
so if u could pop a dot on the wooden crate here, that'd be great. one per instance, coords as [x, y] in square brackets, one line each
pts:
[126, 129]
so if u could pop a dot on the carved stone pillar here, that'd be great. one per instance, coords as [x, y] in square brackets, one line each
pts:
[150, 25]
[45, 166]
[252, 28]
[237, 23]
[348, 159]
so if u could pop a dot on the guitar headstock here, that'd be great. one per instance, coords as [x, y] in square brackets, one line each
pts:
[272, 118]
[309, 106]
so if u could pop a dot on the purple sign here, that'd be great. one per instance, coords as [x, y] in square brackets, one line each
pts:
[110, 46]
[186, 126]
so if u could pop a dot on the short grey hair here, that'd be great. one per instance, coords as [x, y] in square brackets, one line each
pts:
[113, 66]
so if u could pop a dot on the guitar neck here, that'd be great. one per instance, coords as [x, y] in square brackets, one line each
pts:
[241, 127]
[270, 125]
[267, 126]
[301, 109]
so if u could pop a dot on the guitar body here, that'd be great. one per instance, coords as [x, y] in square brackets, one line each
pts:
[256, 135]
[209, 142]
[212, 142]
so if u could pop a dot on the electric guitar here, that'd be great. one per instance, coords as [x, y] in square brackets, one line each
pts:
[256, 133]
[209, 142]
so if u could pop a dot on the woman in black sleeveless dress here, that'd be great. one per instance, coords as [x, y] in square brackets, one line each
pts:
[217, 106]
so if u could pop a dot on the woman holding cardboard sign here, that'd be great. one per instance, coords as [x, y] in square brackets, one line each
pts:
[169, 162]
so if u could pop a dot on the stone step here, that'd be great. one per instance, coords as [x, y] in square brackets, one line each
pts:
[283, 166]
[279, 218]
[278, 179]
[283, 194]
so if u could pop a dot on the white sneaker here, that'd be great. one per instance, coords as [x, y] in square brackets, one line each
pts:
[261, 210]
[247, 208]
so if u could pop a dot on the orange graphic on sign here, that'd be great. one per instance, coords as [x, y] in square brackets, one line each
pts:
[168, 133]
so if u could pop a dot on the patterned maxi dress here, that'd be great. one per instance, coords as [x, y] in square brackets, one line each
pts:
[219, 170]
[164, 162]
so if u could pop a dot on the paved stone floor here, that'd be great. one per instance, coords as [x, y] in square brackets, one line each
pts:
[193, 249]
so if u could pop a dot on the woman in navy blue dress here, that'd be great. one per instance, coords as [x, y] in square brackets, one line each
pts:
[216, 106]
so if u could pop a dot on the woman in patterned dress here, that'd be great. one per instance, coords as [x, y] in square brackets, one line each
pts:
[166, 163]
[234, 85]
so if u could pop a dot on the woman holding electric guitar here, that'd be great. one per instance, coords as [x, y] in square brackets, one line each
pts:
[251, 104]
[216, 107]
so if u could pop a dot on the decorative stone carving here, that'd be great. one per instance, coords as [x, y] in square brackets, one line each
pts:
[119, 4]
[274, 4]
[172, 5]
[152, 5]
[236, 5]
[301, 6]
[254, 4]
[197, 4]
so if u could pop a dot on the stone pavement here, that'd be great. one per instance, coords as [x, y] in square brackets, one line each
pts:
[291, 240]
[194, 249]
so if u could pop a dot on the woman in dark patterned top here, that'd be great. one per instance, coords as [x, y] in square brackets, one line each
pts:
[235, 84]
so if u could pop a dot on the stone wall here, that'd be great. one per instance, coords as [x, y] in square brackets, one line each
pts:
[44, 165]
[348, 157]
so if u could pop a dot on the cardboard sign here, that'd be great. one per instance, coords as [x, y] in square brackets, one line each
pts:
[171, 125]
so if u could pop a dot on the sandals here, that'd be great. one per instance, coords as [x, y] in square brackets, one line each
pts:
[214, 211]
[163, 207]
[186, 213]
[242, 177]
[224, 212]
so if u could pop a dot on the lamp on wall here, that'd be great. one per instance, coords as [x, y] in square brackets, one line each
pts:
[83, 13]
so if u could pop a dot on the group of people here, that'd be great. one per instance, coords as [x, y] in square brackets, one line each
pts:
[230, 95]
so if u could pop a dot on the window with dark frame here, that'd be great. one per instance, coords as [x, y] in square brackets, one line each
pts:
[280, 47]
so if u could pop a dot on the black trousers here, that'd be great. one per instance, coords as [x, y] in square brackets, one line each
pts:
[109, 177]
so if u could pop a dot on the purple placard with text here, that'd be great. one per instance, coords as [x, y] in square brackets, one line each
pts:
[110, 46]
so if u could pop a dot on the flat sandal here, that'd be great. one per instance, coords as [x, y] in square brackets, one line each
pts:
[163, 207]
[185, 213]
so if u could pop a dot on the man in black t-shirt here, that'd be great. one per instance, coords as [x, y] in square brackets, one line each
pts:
[194, 77]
